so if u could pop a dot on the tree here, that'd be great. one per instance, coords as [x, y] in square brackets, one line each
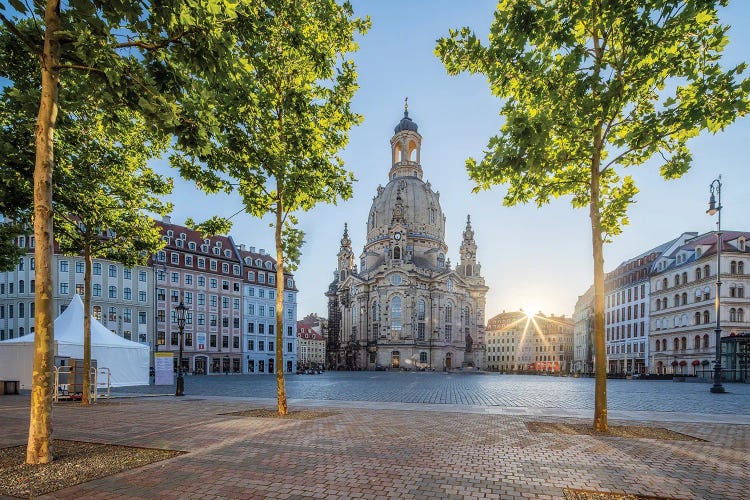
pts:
[284, 120]
[105, 191]
[590, 88]
[155, 58]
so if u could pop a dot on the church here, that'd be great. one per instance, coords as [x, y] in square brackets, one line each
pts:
[403, 307]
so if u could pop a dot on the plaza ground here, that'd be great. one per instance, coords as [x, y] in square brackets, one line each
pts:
[410, 435]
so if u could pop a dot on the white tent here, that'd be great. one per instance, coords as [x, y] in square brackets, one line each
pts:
[127, 361]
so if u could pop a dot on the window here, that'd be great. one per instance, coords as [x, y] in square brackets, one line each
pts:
[213, 265]
[214, 283]
[236, 304]
[235, 342]
[289, 347]
[188, 279]
[224, 285]
[175, 258]
[225, 342]
[63, 288]
[63, 266]
[201, 299]
[98, 313]
[112, 292]
[201, 281]
[97, 268]
[80, 267]
[175, 277]
[142, 276]
[202, 265]
[142, 317]
[127, 293]
[142, 296]
[250, 344]
[112, 271]
[97, 290]
[212, 341]
[251, 328]
[697, 273]
[225, 268]
[127, 315]
[705, 341]
[161, 316]
[79, 288]
[213, 300]
[289, 331]
[250, 276]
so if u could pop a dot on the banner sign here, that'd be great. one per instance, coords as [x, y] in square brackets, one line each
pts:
[164, 368]
[201, 338]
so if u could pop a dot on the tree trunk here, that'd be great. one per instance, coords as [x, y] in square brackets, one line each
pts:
[39, 448]
[280, 385]
[600, 365]
[85, 399]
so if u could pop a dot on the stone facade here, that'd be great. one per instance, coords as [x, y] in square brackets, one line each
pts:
[404, 307]
[583, 333]
[683, 302]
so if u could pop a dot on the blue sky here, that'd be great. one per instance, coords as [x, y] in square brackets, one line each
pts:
[537, 259]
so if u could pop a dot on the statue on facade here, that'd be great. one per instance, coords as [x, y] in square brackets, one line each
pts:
[469, 342]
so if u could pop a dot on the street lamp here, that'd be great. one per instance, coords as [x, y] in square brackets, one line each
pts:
[714, 209]
[181, 311]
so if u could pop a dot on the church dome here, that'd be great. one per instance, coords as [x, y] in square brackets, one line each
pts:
[406, 123]
[419, 206]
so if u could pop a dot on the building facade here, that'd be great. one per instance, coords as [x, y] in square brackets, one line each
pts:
[521, 342]
[627, 309]
[311, 344]
[404, 307]
[122, 297]
[503, 339]
[259, 305]
[683, 295]
[205, 274]
[583, 333]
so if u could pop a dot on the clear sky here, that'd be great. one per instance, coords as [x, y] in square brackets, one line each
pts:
[536, 259]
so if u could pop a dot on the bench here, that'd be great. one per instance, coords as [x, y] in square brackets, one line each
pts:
[8, 387]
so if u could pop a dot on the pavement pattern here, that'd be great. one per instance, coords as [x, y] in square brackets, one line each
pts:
[473, 389]
[369, 449]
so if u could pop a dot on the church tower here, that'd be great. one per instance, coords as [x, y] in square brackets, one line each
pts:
[346, 256]
[468, 266]
[406, 146]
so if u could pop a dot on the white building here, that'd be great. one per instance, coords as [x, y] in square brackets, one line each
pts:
[683, 294]
[627, 309]
[259, 318]
[583, 333]
[122, 297]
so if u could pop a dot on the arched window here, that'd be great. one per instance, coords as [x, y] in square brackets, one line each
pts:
[740, 315]
[375, 311]
[396, 314]
[697, 273]
[706, 318]
[676, 345]
[697, 342]
[468, 269]
[676, 280]
[676, 299]
[697, 318]
[420, 310]
[658, 345]
[658, 304]
[664, 303]
[706, 271]
[733, 267]
[740, 267]
[684, 298]
[740, 291]
[664, 284]
[684, 277]
[448, 322]
[355, 314]
[705, 341]
[683, 342]
[21, 286]
[397, 253]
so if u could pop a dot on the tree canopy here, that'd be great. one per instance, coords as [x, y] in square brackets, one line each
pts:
[589, 88]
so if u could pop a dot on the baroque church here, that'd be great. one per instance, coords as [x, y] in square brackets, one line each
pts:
[403, 306]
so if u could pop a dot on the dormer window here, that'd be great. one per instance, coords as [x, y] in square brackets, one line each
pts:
[183, 236]
[218, 244]
[268, 265]
[248, 261]
[227, 253]
[216, 251]
[178, 243]
[191, 245]
[698, 253]
[170, 233]
[741, 244]
[206, 241]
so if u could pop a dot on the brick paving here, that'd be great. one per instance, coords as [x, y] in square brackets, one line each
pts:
[475, 389]
[374, 453]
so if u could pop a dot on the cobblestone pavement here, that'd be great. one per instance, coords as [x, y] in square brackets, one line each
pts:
[473, 389]
[381, 453]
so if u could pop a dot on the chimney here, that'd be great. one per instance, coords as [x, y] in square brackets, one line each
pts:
[252, 249]
[242, 247]
[166, 219]
[262, 251]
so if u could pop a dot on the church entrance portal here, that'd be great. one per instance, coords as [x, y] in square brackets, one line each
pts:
[395, 359]
[448, 361]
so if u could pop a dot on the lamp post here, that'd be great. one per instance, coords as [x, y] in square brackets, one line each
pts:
[714, 209]
[181, 310]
